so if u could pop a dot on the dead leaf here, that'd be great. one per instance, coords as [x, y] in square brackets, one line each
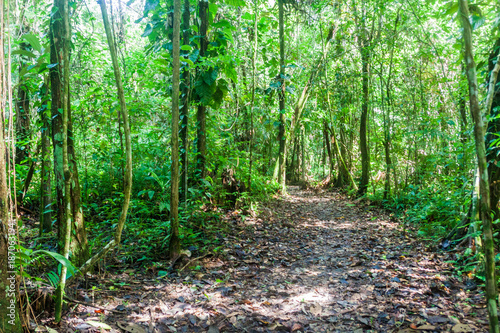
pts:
[461, 328]
[426, 328]
[213, 329]
[131, 327]
[316, 310]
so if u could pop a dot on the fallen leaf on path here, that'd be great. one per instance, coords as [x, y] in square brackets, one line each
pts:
[426, 328]
[461, 328]
[131, 327]
[99, 325]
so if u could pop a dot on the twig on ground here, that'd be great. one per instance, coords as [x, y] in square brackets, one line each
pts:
[91, 305]
[192, 260]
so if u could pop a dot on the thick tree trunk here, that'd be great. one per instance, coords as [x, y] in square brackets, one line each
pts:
[64, 225]
[484, 185]
[55, 35]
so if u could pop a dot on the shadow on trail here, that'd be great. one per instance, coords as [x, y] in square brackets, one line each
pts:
[309, 263]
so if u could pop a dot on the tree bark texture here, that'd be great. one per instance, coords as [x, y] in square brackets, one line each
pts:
[201, 127]
[281, 97]
[363, 135]
[174, 250]
[79, 245]
[185, 106]
[493, 150]
[45, 182]
[484, 186]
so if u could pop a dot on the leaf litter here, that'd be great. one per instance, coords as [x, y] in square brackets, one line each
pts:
[310, 262]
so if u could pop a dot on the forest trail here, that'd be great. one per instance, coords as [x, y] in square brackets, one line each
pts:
[310, 263]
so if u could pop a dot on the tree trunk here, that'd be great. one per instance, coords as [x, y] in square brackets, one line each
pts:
[303, 174]
[78, 245]
[252, 101]
[328, 148]
[484, 186]
[492, 149]
[201, 131]
[281, 96]
[9, 319]
[45, 184]
[126, 126]
[64, 225]
[22, 113]
[363, 142]
[464, 125]
[174, 250]
[185, 106]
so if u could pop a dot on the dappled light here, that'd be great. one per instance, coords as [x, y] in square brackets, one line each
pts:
[249, 166]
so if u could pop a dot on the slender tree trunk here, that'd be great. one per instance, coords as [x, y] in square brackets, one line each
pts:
[9, 310]
[201, 131]
[22, 113]
[303, 156]
[387, 116]
[252, 102]
[484, 186]
[174, 249]
[78, 245]
[185, 106]
[281, 96]
[293, 165]
[464, 125]
[126, 126]
[45, 184]
[363, 142]
[128, 146]
[328, 148]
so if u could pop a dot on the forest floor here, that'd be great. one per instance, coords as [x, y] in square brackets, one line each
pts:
[310, 262]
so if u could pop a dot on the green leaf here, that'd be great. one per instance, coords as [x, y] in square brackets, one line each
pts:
[247, 16]
[147, 31]
[186, 47]
[24, 53]
[33, 41]
[236, 3]
[151, 194]
[213, 8]
[452, 8]
[65, 262]
[477, 21]
[163, 206]
[187, 61]
[150, 5]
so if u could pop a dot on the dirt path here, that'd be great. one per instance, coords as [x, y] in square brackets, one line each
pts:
[311, 263]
